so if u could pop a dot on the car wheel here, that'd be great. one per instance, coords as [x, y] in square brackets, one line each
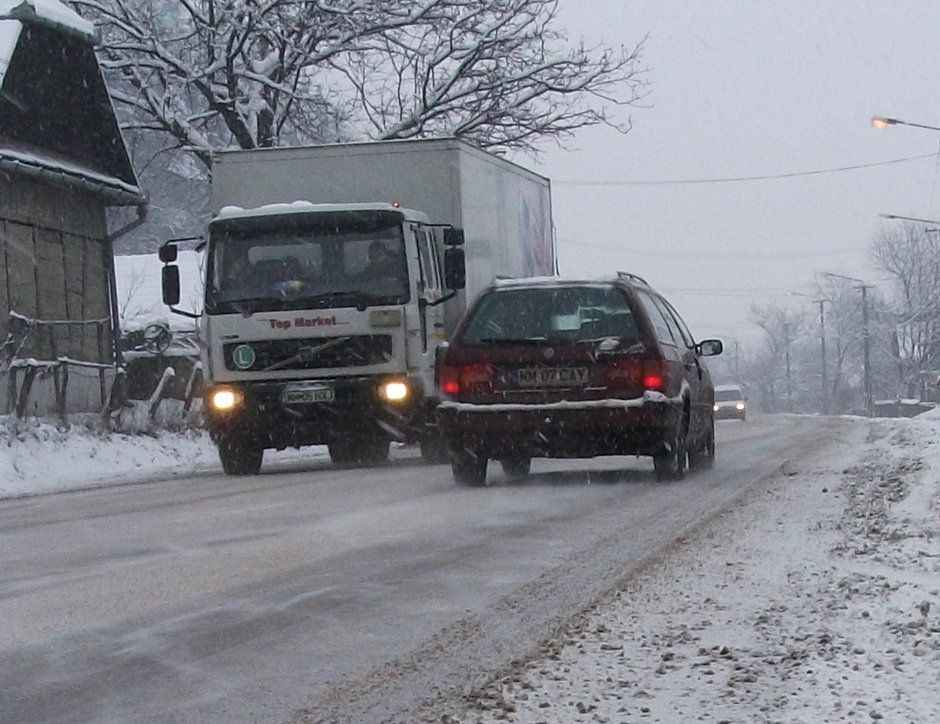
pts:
[240, 457]
[469, 467]
[704, 457]
[670, 462]
[516, 467]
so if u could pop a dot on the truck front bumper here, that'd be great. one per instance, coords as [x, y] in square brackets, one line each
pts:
[295, 413]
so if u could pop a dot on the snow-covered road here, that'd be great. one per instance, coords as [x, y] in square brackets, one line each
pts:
[814, 597]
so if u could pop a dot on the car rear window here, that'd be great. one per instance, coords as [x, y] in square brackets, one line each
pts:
[569, 314]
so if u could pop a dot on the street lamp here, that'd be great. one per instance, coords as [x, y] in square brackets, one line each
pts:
[869, 400]
[881, 122]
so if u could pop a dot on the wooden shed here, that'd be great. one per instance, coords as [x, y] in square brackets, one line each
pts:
[64, 168]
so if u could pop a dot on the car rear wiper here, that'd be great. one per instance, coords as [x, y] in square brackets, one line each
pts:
[512, 340]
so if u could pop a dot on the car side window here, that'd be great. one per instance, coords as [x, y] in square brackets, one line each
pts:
[660, 325]
[679, 326]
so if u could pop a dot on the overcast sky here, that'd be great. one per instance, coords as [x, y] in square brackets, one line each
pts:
[742, 89]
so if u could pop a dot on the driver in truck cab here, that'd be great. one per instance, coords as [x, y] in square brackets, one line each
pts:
[382, 263]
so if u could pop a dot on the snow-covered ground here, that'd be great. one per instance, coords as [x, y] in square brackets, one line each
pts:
[816, 599]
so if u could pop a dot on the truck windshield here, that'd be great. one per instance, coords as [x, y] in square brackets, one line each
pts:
[333, 259]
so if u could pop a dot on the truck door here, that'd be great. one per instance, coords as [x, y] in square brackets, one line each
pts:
[429, 289]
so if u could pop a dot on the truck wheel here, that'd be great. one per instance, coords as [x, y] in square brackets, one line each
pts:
[240, 457]
[373, 450]
[433, 448]
[516, 467]
[469, 468]
[342, 451]
[345, 451]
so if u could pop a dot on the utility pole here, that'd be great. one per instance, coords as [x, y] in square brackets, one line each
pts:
[866, 339]
[822, 350]
[786, 331]
[869, 398]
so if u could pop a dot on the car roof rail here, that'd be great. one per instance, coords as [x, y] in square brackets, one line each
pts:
[634, 277]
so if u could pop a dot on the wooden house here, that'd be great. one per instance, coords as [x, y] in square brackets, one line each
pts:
[64, 168]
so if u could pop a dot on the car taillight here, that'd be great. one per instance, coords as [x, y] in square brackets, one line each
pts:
[636, 373]
[449, 380]
[477, 377]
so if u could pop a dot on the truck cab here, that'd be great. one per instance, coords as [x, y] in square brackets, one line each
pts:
[320, 326]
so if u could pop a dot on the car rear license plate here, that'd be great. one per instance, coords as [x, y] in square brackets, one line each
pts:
[552, 376]
[295, 394]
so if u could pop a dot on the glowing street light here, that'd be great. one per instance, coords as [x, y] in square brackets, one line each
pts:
[881, 122]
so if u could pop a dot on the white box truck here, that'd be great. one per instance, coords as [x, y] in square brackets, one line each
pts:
[332, 275]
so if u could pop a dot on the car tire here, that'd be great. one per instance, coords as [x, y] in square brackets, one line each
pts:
[469, 468]
[704, 457]
[516, 467]
[670, 462]
[239, 456]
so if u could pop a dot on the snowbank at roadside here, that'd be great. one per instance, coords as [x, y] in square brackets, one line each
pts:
[817, 599]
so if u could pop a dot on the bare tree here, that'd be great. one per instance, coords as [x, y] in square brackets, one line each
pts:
[250, 73]
[910, 254]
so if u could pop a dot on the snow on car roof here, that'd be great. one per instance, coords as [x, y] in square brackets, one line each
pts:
[559, 280]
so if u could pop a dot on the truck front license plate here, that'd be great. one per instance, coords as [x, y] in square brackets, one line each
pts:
[308, 393]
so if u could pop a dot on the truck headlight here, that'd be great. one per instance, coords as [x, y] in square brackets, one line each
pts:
[385, 318]
[225, 399]
[394, 391]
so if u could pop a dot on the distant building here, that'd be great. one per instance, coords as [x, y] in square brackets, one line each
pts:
[63, 164]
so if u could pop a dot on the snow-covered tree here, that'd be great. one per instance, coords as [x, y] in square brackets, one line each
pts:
[252, 73]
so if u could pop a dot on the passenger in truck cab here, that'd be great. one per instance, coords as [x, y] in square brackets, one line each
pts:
[238, 269]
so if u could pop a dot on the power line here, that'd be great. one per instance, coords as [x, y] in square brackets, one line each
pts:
[715, 257]
[739, 179]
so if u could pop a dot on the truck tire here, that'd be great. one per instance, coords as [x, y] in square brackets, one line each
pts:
[517, 466]
[469, 468]
[372, 450]
[240, 457]
[433, 448]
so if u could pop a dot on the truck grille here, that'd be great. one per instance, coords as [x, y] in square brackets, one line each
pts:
[312, 353]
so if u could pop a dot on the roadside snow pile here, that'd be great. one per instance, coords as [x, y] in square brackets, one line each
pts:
[815, 599]
[37, 456]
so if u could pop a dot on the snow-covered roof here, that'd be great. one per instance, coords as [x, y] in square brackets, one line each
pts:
[48, 12]
[36, 141]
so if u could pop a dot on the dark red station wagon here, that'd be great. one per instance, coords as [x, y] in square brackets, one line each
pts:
[555, 367]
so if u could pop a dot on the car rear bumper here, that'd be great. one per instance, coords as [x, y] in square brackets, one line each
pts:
[566, 429]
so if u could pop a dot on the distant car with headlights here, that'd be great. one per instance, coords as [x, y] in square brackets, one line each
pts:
[554, 367]
[730, 403]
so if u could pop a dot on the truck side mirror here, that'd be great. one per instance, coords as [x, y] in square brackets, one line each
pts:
[455, 269]
[170, 281]
[452, 236]
[168, 252]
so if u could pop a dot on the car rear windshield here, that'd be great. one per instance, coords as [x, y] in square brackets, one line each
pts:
[728, 395]
[556, 313]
